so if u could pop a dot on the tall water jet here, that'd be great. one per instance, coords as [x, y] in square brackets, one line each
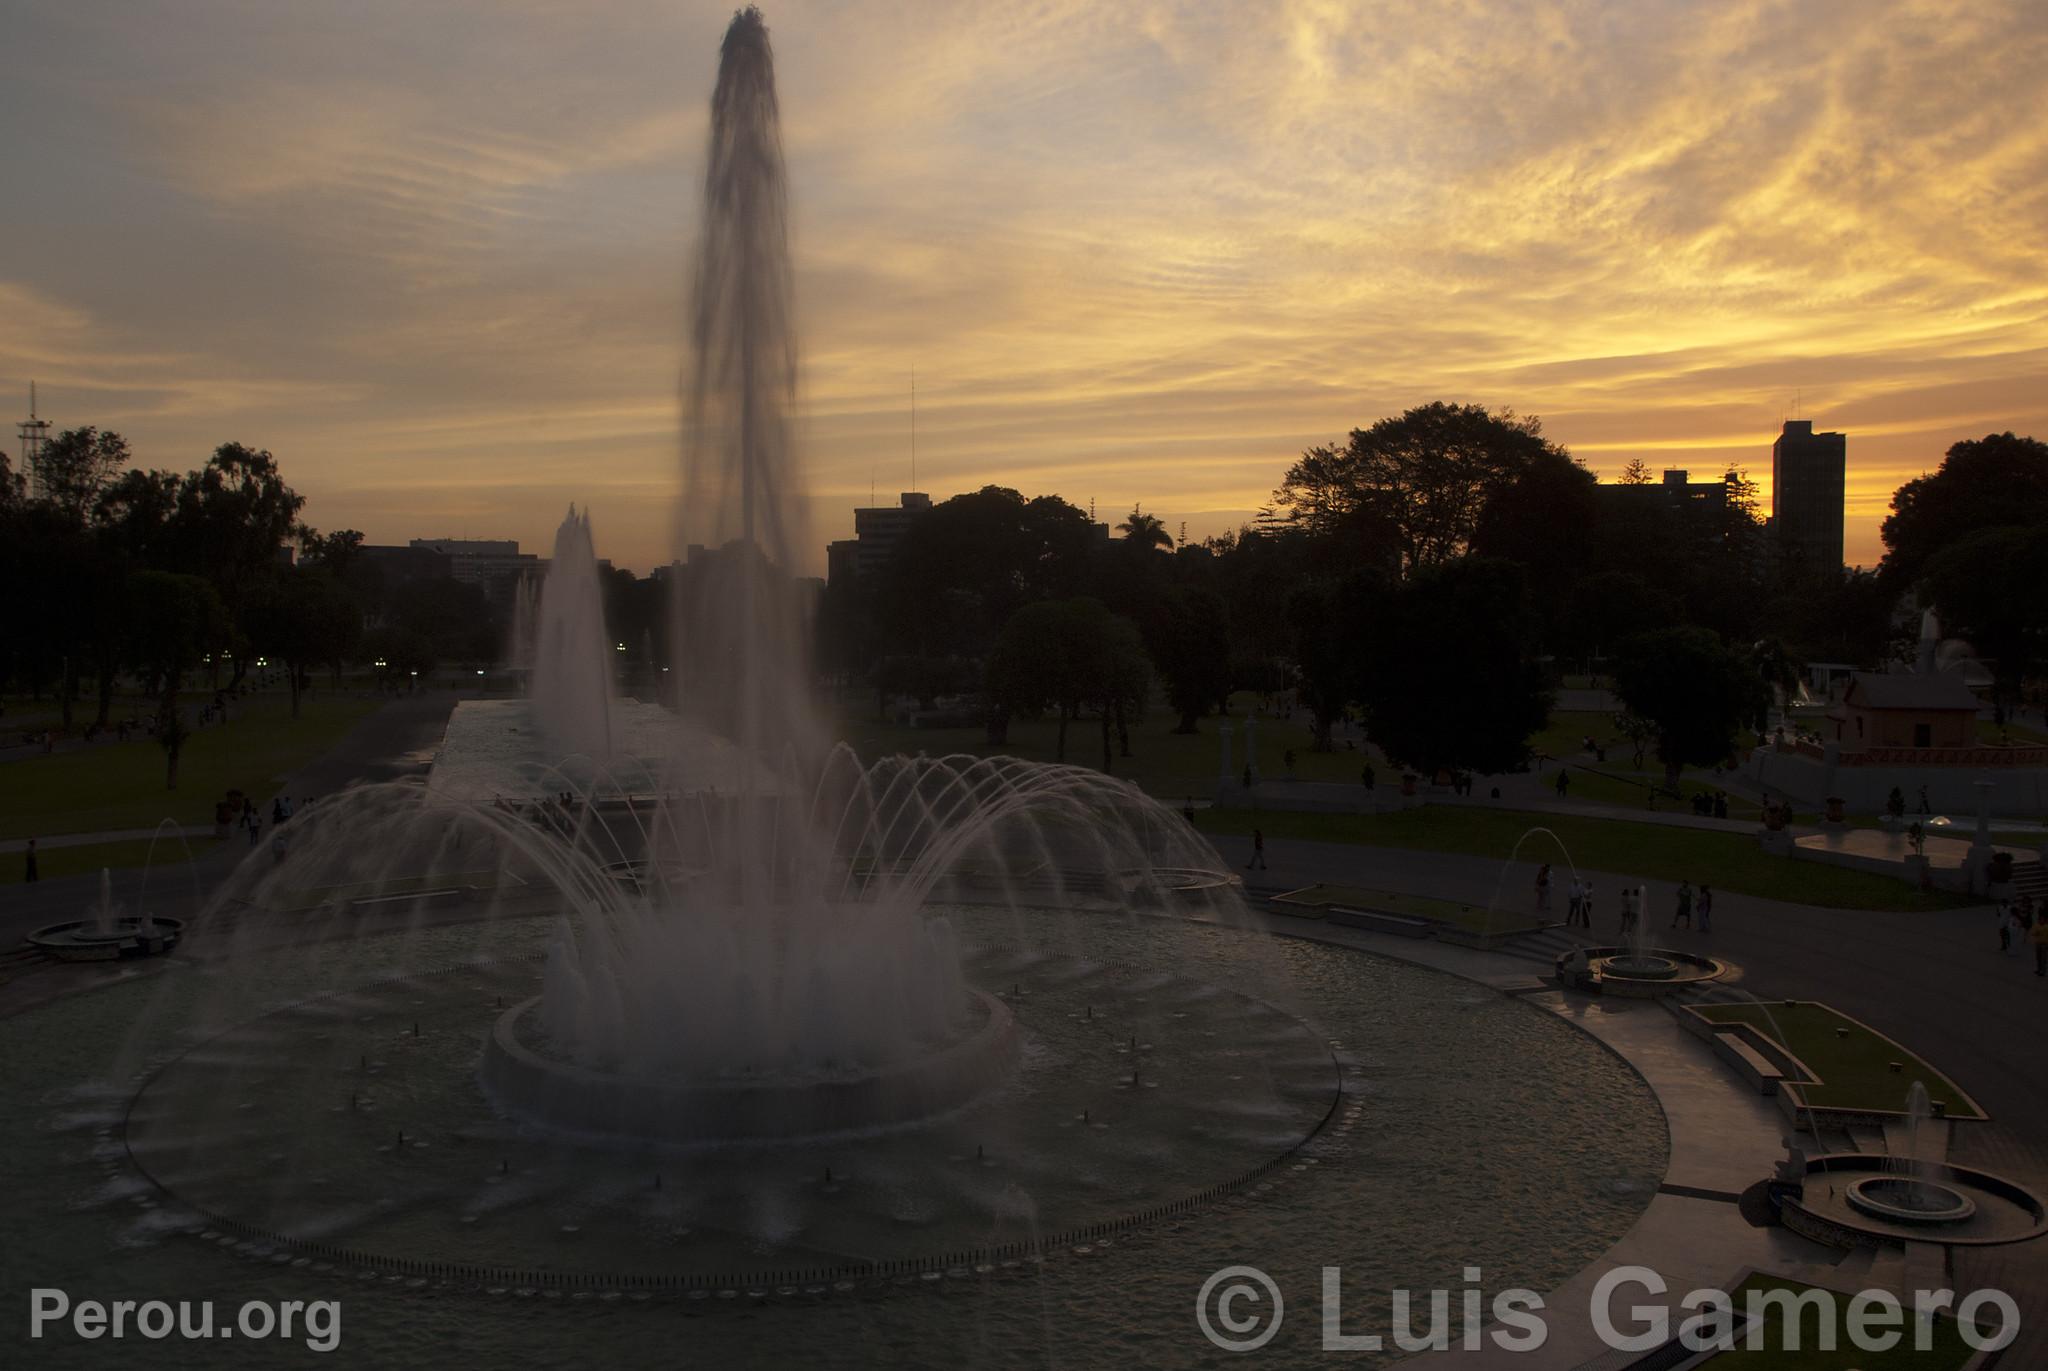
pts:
[740, 629]
[572, 661]
[754, 969]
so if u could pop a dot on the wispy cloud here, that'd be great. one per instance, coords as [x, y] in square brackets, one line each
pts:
[434, 255]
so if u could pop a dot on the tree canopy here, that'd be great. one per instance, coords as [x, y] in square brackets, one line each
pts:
[1450, 680]
[1995, 481]
[1693, 688]
[1417, 484]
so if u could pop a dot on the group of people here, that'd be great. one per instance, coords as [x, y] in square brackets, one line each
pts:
[242, 811]
[2020, 924]
[1634, 899]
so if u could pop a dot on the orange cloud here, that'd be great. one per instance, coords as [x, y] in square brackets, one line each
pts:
[435, 259]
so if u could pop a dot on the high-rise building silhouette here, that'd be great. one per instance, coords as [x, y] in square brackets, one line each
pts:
[1809, 477]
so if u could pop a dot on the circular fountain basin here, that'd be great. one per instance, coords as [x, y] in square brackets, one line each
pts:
[87, 940]
[1136, 1092]
[1903, 1199]
[1859, 1199]
[583, 1101]
[1642, 974]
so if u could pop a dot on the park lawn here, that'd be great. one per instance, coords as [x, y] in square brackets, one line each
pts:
[2019, 735]
[1726, 861]
[1169, 765]
[77, 860]
[1946, 1350]
[1565, 735]
[1852, 1062]
[1476, 918]
[117, 786]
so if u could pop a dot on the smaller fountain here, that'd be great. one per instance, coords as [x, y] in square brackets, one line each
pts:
[571, 684]
[106, 934]
[1908, 1194]
[1636, 968]
[1912, 1194]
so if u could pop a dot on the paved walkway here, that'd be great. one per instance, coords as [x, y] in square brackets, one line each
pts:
[126, 835]
[1933, 980]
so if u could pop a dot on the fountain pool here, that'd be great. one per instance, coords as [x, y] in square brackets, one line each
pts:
[1070, 1211]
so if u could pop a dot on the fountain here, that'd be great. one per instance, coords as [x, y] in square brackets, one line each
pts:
[1913, 1194]
[1636, 968]
[106, 934]
[745, 1015]
[571, 684]
[519, 651]
[1639, 961]
[1908, 1195]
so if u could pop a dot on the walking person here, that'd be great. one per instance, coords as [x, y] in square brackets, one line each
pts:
[1683, 914]
[1586, 907]
[1575, 901]
[28, 866]
[1705, 905]
[2007, 921]
[2038, 936]
[1628, 910]
[1258, 861]
[1543, 888]
[1564, 782]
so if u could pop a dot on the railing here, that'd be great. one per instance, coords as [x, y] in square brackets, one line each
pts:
[1947, 756]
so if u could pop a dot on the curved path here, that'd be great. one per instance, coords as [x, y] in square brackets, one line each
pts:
[1934, 981]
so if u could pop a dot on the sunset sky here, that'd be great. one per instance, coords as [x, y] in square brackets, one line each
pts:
[432, 253]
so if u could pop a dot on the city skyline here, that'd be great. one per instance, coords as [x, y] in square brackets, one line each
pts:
[448, 294]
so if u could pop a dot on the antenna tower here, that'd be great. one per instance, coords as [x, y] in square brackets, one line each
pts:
[35, 435]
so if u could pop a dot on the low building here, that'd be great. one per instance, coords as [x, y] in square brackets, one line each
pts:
[1880, 712]
[1914, 732]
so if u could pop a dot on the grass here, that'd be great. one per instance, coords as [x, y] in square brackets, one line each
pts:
[2018, 735]
[1475, 918]
[1946, 1350]
[1169, 765]
[1566, 733]
[1726, 861]
[1852, 1063]
[53, 862]
[114, 786]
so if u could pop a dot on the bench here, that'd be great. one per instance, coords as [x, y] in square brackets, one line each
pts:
[1761, 1071]
[1400, 925]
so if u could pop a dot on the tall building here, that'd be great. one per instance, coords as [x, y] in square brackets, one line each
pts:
[1809, 479]
[877, 529]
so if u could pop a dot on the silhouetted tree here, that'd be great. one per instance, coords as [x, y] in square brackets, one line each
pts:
[73, 467]
[1422, 479]
[173, 618]
[1988, 588]
[1144, 532]
[1189, 642]
[1465, 690]
[1997, 481]
[1693, 688]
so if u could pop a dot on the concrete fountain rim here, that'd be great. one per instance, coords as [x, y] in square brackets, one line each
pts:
[78, 940]
[948, 1078]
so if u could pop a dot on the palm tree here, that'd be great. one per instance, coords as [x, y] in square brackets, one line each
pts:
[1144, 531]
